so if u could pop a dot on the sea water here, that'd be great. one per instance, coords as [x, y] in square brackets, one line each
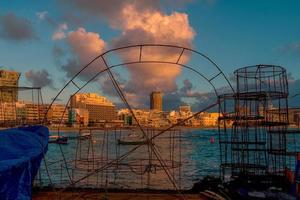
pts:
[198, 154]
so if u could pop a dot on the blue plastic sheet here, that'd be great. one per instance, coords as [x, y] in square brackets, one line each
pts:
[21, 152]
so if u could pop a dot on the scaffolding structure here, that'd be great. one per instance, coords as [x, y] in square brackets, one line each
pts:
[253, 129]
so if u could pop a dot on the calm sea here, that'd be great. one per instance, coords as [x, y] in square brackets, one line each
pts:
[187, 156]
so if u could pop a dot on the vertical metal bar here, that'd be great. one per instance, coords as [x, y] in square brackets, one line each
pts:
[141, 49]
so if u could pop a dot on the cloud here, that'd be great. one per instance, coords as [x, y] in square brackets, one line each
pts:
[57, 51]
[84, 47]
[198, 100]
[15, 28]
[290, 77]
[187, 90]
[290, 48]
[107, 85]
[294, 93]
[172, 101]
[139, 22]
[39, 78]
[42, 15]
[109, 10]
[156, 22]
[59, 33]
[58, 54]
[153, 27]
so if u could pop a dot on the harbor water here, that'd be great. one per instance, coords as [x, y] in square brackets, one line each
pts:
[196, 156]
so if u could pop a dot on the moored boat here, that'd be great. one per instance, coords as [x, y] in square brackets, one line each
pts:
[21, 152]
[58, 139]
[133, 138]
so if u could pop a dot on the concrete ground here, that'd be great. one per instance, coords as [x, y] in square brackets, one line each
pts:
[112, 196]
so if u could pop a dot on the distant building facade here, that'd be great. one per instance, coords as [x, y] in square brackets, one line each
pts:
[100, 109]
[9, 81]
[156, 100]
[78, 116]
[30, 113]
[209, 119]
[185, 109]
[33, 113]
[57, 114]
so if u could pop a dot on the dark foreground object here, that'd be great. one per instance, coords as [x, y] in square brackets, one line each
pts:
[21, 152]
[244, 187]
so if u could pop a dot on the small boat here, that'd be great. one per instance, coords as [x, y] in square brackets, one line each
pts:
[85, 135]
[131, 142]
[132, 139]
[58, 139]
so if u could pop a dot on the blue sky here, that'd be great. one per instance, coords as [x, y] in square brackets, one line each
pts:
[239, 33]
[234, 33]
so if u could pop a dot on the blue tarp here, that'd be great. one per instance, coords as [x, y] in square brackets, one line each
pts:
[21, 152]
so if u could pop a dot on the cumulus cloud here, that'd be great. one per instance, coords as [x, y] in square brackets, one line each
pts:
[187, 90]
[110, 10]
[59, 33]
[107, 85]
[16, 28]
[39, 78]
[84, 47]
[154, 27]
[139, 22]
[156, 22]
[42, 15]
[198, 100]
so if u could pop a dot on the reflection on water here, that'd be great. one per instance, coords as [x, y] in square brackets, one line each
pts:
[186, 156]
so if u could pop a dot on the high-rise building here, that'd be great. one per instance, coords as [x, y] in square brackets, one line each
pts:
[100, 109]
[156, 100]
[9, 81]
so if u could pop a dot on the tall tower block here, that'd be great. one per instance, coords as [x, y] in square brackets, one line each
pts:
[156, 100]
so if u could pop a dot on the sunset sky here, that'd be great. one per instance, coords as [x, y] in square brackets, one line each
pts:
[48, 41]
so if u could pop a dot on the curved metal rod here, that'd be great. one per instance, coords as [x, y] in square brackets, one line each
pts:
[140, 61]
[120, 65]
[141, 45]
[131, 63]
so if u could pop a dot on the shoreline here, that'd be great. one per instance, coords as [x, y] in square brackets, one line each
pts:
[72, 129]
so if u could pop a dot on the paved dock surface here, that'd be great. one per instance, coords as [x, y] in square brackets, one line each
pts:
[111, 196]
